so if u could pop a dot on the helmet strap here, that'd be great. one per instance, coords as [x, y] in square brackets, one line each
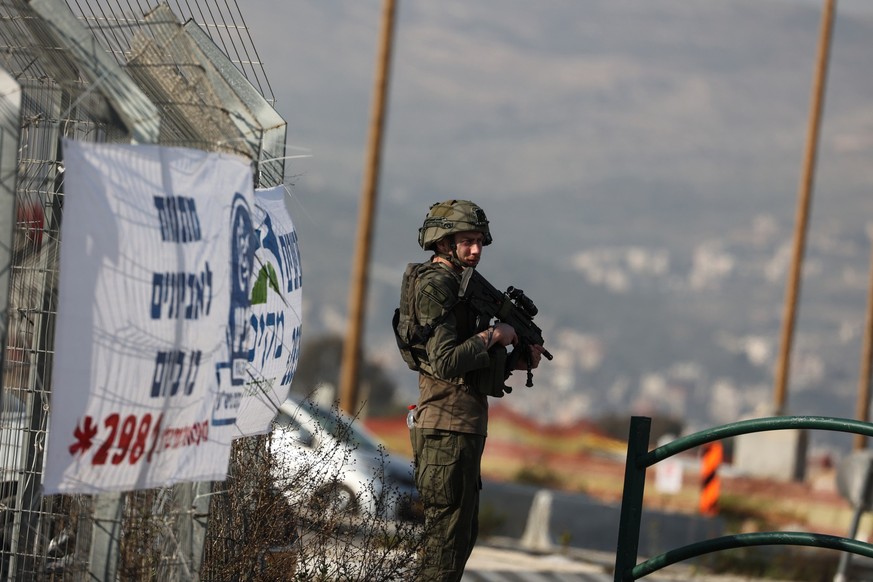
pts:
[451, 257]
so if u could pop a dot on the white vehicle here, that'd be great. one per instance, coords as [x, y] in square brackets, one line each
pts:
[326, 461]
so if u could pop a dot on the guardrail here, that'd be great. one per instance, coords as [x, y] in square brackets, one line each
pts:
[639, 458]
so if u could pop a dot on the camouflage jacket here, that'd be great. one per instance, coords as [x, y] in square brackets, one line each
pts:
[449, 398]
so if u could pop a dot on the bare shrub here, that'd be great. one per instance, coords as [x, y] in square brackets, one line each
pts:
[289, 510]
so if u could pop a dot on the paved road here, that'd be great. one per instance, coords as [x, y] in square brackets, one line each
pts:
[489, 564]
[506, 564]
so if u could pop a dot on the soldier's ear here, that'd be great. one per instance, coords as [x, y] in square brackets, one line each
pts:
[444, 245]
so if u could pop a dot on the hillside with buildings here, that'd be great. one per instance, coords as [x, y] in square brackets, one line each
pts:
[640, 176]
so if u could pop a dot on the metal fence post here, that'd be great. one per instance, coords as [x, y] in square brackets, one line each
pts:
[105, 545]
[10, 121]
[632, 497]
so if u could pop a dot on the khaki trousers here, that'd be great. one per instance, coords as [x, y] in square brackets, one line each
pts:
[447, 474]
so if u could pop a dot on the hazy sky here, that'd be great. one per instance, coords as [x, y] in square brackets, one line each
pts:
[572, 113]
[516, 100]
[518, 97]
[511, 100]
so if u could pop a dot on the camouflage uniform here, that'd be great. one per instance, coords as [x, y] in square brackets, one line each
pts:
[451, 421]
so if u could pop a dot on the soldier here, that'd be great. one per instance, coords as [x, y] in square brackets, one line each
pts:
[461, 360]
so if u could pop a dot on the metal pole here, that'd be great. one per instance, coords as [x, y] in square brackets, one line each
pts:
[10, 122]
[862, 408]
[845, 557]
[792, 290]
[358, 284]
[632, 498]
[860, 508]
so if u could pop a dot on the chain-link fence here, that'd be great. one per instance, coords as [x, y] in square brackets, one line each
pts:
[181, 73]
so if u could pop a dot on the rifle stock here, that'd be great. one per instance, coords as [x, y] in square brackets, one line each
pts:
[511, 307]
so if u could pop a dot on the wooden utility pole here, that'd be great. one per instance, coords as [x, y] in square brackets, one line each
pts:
[862, 408]
[804, 196]
[349, 380]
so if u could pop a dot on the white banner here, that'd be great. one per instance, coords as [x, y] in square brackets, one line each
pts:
[249, 402]
[156, 260]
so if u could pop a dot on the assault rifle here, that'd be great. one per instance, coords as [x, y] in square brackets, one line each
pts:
[512, 307]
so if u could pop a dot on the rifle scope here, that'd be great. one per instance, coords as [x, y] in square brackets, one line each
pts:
[522, 301]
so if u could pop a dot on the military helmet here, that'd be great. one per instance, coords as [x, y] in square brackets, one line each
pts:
[449, 217]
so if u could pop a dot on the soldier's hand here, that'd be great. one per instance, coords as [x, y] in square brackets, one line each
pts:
[536, 354]
[504, 334]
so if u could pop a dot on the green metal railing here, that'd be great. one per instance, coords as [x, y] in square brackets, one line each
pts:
[639, 458]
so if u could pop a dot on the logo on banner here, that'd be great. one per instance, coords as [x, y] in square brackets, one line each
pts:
[232, 373]
[268, 320]
[265, 272]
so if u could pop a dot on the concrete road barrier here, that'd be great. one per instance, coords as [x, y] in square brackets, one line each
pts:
[545, 520]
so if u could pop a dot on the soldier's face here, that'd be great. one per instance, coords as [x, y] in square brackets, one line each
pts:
[469, 247]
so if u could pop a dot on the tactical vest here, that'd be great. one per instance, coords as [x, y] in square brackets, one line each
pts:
[411, 337]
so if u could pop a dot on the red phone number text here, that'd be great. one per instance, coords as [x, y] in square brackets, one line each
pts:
[132, 438]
